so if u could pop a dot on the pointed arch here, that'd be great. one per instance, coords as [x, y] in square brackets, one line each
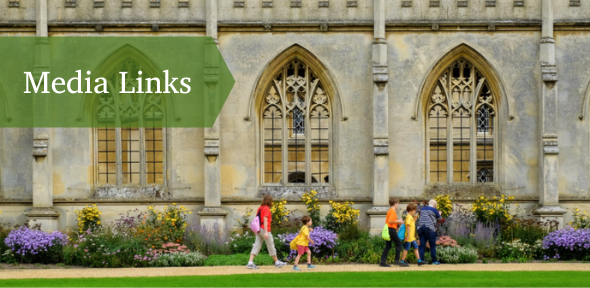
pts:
[294, 105]
[462, 102]
[110, 64]
[129, 128]
[272, 68]
[471, 55]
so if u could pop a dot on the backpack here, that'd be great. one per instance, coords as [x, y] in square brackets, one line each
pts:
[401, 232]
[255, 225]
[385, 233]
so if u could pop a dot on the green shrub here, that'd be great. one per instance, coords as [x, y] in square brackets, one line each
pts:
[242, 243]
[210, 240]
[453, 255]
[364, 249]
[529, 231]
[104, 247]
[351, 232]
[180, 259]
[6, 254]
[237, 260]
[517, 249]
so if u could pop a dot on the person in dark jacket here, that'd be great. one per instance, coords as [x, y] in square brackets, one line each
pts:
[427, 231]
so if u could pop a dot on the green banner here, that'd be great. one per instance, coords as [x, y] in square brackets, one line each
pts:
[111, 82]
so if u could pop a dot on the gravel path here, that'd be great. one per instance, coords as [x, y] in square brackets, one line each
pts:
[225, 270]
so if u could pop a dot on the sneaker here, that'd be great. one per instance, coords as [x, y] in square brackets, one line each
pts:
[296, 268]
[396, 263]
[384, 265]
[421, 263]
[404, 264]
[280, 264]
[252, 266]
[309, 266]
[435, 263]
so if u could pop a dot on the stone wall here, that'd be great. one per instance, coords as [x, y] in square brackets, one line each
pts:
[344, 36]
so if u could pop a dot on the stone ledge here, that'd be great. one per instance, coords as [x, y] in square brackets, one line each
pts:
[378, 210]
[43, 212]
[550, 210]
[212, 211]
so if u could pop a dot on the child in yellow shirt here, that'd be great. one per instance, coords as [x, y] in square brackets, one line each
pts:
[410, 240]
[303, 241]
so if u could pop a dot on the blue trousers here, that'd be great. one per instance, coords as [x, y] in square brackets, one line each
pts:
[426, 234]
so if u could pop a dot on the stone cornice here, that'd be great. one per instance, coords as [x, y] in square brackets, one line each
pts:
[253, 201]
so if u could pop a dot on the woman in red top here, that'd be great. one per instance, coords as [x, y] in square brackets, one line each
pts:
[264, 234]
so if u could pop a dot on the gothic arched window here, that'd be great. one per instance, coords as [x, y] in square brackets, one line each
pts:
[461, 117]
[128, 154]
[296, 127]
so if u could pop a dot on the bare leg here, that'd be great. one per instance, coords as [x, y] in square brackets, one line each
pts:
[404, 255]
[417, 253]
[275, 258]
[308, 257]
[252, 257]
[297, 259]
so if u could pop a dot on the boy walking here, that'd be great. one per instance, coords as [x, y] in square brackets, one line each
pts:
[392, 222]
[303, 241]
[410, 240]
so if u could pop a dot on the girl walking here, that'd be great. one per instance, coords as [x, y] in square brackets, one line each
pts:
[264, 234]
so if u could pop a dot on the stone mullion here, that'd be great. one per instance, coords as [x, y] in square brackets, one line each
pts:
[308, 136]
[496, 148]
[119, 153]
[285, 131]
[142, 153]
[450, 146]
[450, 128]
[473, 143]
[164, 152]
[473, 129]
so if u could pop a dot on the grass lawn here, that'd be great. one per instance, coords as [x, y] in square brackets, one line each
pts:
[339, 279]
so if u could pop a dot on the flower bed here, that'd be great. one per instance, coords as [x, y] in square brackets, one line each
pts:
[35, 246]
[567, 244]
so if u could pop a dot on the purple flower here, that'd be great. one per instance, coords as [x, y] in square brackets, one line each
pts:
[24, 240]
[568, 241]
[324, 240]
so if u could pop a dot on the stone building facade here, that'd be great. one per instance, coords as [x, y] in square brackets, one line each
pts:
[358, 99]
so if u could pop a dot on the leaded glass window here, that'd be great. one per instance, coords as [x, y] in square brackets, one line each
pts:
[461, 120]
[129, 154]
[296, 127]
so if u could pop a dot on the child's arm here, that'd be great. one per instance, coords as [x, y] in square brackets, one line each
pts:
[309, 239]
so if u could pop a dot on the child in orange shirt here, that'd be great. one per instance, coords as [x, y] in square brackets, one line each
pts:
[392, 222]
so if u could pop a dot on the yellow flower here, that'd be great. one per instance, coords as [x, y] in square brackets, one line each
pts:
[174, 204]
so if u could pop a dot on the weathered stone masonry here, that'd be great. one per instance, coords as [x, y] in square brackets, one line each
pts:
[376, 66]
